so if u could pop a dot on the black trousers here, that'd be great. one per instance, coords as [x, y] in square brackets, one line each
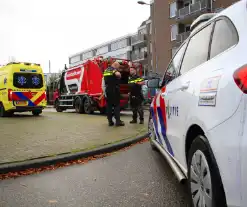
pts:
[137, 108]
[113, 107]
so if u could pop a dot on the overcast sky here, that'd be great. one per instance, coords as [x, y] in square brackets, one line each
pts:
[39, 30]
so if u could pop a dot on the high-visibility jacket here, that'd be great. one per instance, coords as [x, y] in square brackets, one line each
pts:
[109, 71]
[111, 82]
[135, 89]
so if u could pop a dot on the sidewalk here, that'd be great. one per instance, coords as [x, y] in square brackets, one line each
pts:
[26, 137]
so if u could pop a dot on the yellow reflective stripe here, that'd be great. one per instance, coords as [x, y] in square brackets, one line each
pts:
[136, 80]
[139, 79]
[107, 74]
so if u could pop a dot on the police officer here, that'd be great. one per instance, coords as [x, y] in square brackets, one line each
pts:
[136, 96]
[112, 92]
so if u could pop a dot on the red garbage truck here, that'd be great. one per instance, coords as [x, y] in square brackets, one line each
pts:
[80, 87]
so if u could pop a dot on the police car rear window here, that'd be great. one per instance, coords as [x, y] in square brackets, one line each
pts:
[27, 80]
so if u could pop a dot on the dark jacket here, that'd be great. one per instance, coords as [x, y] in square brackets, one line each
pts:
[112, 89]
[135, 89]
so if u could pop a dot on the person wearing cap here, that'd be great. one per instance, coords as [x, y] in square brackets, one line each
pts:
[112, 92]
[136, 96]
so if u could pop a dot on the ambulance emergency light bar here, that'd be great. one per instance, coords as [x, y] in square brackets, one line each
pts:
[23, 63]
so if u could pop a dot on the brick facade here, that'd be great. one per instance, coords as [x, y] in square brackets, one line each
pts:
[185, 12]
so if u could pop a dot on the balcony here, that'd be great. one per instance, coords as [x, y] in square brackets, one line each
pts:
[138, 40]
[180, 39]
[189, 13]
[183, 36]
[139, 56]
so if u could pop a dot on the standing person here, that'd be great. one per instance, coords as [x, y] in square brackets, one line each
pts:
[112, 92]
[136, 96]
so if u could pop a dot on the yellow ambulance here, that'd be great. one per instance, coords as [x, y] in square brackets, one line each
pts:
[22, 88]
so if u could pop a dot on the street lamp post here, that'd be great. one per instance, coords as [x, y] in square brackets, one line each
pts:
[153, 22]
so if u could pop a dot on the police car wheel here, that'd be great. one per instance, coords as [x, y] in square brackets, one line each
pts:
[205, 185]
[151, 134]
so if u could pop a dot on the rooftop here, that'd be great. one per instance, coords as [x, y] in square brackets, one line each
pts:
[102, 45]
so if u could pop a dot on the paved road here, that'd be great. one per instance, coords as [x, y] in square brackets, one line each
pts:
[136, 177]
[25, 137]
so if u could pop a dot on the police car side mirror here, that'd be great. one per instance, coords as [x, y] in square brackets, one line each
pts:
[154, 83]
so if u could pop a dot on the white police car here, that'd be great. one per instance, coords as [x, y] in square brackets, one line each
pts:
[198, 119]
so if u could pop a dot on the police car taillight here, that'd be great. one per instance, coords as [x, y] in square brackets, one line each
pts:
[240, 78]
[10, 95]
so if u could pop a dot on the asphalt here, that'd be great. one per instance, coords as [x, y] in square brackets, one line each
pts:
[136, 177]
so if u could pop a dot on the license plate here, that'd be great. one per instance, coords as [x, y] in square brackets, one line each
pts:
[21, 103]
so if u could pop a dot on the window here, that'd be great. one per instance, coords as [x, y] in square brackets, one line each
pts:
[174, 32]
[173, 68]
[143, 31]
[224, 36]
[187, 28]
[27, 80]
[87, 55]
[118, 45]
[197, 51]
[75, 59]
[173, 9]
[187, 4]
[102, 50]
[144, 49]
[121, 56]
[174, 50]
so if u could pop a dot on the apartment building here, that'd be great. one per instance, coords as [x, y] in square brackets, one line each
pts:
[135, 47]
[171, 22]
[119, 48]
[142, 47]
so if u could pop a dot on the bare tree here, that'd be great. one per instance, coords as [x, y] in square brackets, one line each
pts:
[52, 78]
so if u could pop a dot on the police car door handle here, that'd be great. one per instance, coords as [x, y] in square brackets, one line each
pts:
[185, 86]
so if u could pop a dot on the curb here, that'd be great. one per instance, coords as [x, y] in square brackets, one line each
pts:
[42, 162]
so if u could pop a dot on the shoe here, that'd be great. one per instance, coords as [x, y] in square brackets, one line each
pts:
[111, 123]
[133, 122]
[121, 123]
[141, 121]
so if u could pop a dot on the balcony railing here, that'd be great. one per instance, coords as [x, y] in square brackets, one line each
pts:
[139, 38]
[183, 36]
[139, 56]
[192, 8]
